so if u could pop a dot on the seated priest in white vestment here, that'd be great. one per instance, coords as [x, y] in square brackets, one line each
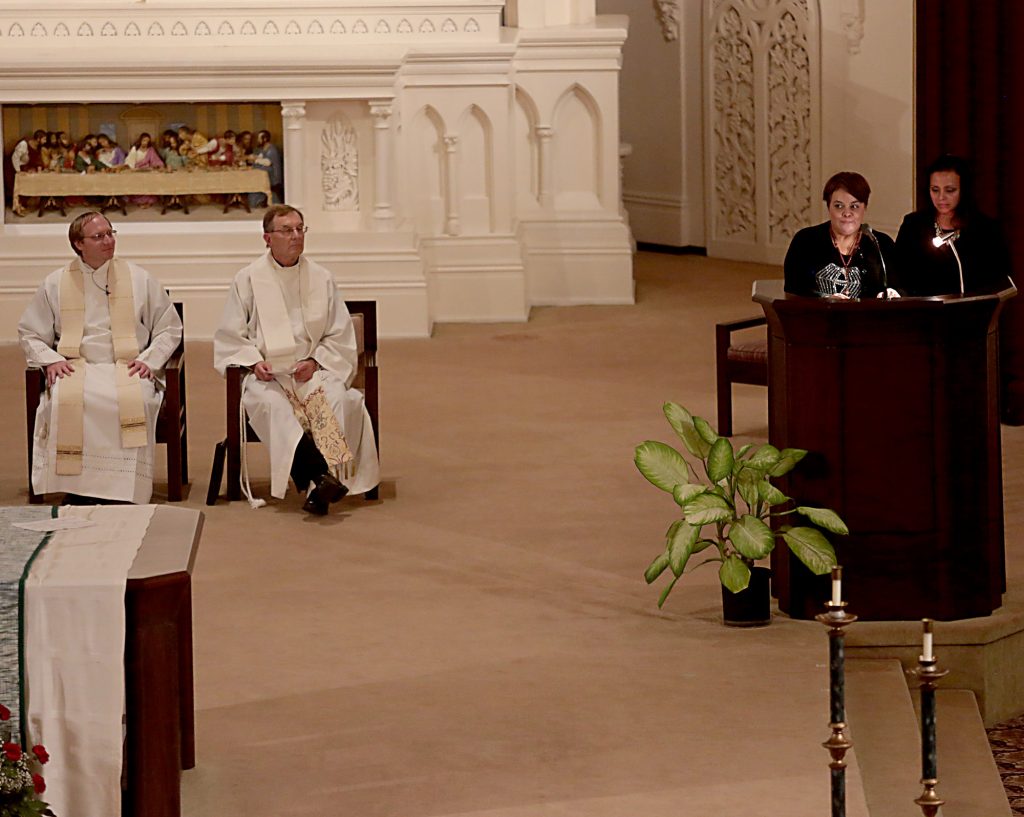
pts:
[285, 321]
[102, 328]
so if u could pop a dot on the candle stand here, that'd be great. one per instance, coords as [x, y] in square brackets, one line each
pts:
[835, 619]
[929, 674]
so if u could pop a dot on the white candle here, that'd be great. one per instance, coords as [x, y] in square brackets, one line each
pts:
[837, 586]
[927, 653]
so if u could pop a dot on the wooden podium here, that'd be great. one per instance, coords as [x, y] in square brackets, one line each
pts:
[898, 403]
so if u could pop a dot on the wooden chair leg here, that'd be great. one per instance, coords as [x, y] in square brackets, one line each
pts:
[724, 383]
[216, 472]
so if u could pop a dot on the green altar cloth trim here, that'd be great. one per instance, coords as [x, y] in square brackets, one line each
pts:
[18, 549]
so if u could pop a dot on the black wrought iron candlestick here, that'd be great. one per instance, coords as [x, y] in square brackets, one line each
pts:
[929, 674]
[835, 619]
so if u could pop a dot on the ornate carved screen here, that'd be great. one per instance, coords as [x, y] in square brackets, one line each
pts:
[762, 153]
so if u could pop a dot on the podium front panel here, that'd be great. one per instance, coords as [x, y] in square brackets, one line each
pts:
[897, 403]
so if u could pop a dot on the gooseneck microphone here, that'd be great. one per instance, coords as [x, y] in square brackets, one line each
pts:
[948, 238]
[866, 228]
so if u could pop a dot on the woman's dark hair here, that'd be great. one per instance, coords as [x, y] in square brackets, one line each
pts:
[853, 183]
[948, 163]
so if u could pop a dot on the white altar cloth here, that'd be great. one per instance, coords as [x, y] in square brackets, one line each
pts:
[74, 656]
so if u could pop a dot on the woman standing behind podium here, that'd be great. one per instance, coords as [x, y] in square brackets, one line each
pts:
[843, 257]
[951, 248]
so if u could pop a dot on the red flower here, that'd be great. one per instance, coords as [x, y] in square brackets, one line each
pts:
[5, 713]
[12, 751]
[38, 783]
[40, 752]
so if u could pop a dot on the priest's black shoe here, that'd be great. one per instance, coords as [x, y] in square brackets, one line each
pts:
[327, 491]
[330, 488]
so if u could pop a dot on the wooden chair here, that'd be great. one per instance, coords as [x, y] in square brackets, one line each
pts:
[171, 428]
[737, 363]
[364, 319]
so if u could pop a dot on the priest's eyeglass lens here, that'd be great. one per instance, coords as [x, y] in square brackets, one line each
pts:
[101, 236]
[292, 230]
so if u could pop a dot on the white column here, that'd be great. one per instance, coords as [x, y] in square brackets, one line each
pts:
[293, 112]
[451, 193]
[545, 175]
[383, 212]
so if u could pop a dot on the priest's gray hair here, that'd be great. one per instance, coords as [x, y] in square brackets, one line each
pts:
[276, 210]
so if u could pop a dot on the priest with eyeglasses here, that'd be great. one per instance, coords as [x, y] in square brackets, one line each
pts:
[285, 321]
[102, 328]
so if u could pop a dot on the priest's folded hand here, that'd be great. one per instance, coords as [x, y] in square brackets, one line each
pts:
[59, 369]
[263, 371]
[137, 367]
[304, 370]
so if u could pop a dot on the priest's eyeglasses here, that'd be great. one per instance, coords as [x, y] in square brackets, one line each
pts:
[292, 230]
[101, 236]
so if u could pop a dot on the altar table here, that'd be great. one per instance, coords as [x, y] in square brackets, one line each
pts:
[159, 710]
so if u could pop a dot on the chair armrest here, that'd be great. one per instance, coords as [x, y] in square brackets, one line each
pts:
[741, 323]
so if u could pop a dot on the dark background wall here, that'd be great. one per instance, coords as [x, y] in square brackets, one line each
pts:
[970, 101]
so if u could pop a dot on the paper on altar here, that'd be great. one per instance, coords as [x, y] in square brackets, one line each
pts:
[53, 524]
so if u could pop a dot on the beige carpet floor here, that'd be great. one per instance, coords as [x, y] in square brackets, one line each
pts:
[480, 641]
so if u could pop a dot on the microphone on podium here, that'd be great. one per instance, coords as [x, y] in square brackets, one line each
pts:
[866, 228]
[948, 238]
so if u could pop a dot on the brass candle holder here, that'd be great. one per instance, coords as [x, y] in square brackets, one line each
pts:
[835, 618]
[928, 674]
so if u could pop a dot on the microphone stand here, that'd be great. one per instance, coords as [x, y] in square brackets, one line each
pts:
[948, 240]
[885, 276]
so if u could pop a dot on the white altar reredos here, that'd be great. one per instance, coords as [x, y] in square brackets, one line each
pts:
[456, 160]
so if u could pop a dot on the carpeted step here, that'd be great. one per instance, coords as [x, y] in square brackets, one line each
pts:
[969, 780]
[885, 735]
[880, 709]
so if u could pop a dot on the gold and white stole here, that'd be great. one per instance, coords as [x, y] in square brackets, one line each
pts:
[70, 405]
[308, 400]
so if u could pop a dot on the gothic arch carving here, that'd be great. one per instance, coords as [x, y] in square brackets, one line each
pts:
[576, 149]
[427, 133]
[526, 118]
[476, 171]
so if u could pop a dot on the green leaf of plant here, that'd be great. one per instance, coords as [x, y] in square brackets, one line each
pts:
[682, 421]
[707, 433]
[680, 547]
[666, 591]
[663, 466]
[684, 493]
[752, 537]
[734, 574]
[720, 460]
[707, 508]
[788, 458]
[770, 494]
[747, 483]
[811, 547]
[824, 518]
[743, 450]
[657, 567]
[702, 545]
[765, 457]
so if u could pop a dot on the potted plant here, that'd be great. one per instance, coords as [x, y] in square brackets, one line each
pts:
[728, 508]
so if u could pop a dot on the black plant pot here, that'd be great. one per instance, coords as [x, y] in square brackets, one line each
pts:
[751, 607]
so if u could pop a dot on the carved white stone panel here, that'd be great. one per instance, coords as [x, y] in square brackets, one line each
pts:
[762, 127]
[668, 17]
[339, 164]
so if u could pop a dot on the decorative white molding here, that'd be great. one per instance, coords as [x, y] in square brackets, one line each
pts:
[851, 15]
[339, 164]
[668, 17]
[155, 24]
[451, 185]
